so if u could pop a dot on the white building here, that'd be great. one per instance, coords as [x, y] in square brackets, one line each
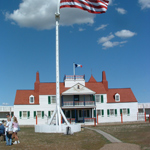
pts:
[81, 101]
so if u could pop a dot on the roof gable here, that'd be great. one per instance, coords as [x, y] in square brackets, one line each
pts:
[92, 79]
[78, 89]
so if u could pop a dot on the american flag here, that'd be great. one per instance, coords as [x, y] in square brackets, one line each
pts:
[92, 6]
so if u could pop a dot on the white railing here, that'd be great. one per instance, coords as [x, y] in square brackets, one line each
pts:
[74, 77]
[6, 108]
[69, 103]
[89, 103]
[78, 103]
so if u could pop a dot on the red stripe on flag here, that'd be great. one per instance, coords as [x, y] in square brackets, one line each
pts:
[88, 5]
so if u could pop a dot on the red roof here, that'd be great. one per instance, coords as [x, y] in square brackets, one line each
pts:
[22, 96]
[126, 95]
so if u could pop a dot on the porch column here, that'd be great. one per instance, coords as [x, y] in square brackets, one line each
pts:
[75, 116]
[84, 100]
[62, 100]
[62, 117]
[73, 100]
[83, 115]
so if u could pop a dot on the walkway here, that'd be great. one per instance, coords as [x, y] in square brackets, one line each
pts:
[115, 143]
[109, 137]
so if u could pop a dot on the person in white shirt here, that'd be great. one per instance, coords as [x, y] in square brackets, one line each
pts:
[9, 131]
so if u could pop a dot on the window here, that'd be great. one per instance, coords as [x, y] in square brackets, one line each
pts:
[24, 114]
[39, 114]
[100, 112]
[31, 99]
[125, 111]
[99, 98]
[117, 97]
[53, 99]
[111, 112]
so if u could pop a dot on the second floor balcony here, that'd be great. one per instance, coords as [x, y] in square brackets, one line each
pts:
[78, 101]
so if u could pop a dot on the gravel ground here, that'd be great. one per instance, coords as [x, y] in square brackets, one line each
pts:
[120, 146]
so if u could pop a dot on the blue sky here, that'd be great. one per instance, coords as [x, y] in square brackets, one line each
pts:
[117, 42]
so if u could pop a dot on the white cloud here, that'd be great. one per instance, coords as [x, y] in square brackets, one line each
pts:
[103, 26]
[107, 43]
[81, 29]
[125, 34]
[121, 11]
[110, 44]
[105, 39]
[41, 15]
[144, 4]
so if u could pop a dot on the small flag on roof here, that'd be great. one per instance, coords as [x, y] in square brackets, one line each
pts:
[92, 6]
[78, 65]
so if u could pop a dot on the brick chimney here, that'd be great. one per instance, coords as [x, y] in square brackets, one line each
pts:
[104, 81]
[37, 83]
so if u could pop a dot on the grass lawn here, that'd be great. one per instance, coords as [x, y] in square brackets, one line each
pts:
[137, 133]
[84, 140]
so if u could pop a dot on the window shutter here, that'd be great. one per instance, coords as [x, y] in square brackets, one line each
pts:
[102, 99]
[42, 114]
[49, 100]
[94, 113]
[93, 97]
[108, 112]
[120, 111]
[34, 114]
[20, 114]
[102, 113]
[28, 114]
[128, 111]
[115, 112]
[49, 114]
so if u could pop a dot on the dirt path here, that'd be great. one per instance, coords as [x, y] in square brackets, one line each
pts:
[120, 146]
[115, 144]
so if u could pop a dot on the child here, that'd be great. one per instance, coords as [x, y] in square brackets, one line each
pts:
[15, 129]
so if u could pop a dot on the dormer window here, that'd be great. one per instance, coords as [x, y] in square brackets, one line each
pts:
[117, 97]
[78, 87]
[31, 99]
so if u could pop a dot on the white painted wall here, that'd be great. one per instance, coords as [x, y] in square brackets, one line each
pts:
[132, 117]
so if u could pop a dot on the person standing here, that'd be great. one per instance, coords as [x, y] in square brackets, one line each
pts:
[9, 131]
[15, 130]
[2, 129]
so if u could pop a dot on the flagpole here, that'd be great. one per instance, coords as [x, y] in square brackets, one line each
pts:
[58, 118]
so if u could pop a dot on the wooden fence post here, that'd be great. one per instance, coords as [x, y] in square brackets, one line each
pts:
[121, 118]
[94, 122]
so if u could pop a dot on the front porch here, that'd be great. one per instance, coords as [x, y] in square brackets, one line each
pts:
[82, 116]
